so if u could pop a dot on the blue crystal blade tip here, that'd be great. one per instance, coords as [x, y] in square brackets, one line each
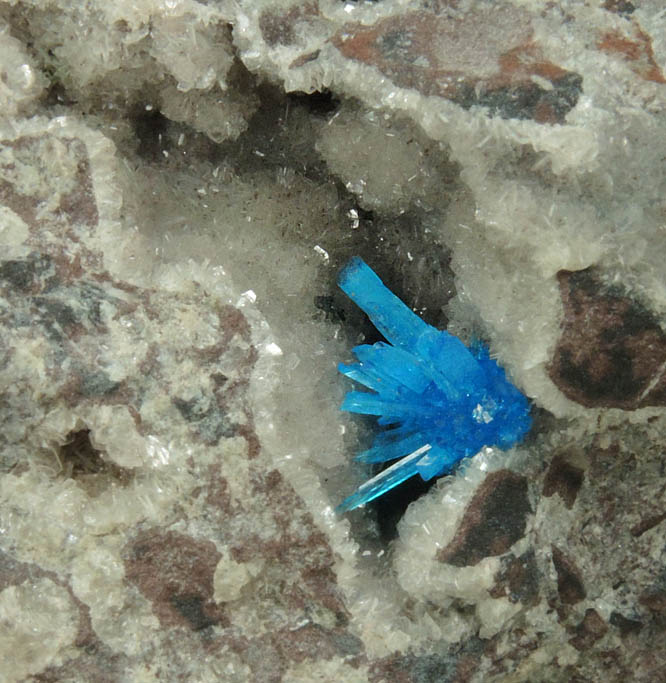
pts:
[400, 325]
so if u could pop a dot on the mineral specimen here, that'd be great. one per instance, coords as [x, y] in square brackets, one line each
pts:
[440, 400]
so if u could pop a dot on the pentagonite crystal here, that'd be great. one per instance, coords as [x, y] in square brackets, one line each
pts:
[437, 400]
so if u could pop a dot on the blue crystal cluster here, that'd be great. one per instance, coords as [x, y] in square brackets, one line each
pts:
[438, 401]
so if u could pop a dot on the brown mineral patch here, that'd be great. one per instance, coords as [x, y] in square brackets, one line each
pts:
[96, 662]
[295, 544]
[23, 205]
[518, 580]
[494, 520]
[305, 59]
[506, 649]
[232, 322]
[647, 523]
[466, 667]
[590, 629]
[290, 549]
[149, 364]
[14, 573]
[85, 635]
[68, 268]
[484, 57]
[654, 599]
[456, 665]
[627, 626]
[263, 658]
[428, 52]
[280, 28]
[619, 6]
[251, 438]
[273, 484]
[26, 276]
[491, 654]
[526, 60]
[636, 50]
[88, 383]
[218, 495]
[321, 583]
[175, 572]
[304, 643]
[564, 479]
[80, 206]
[612, 351]
[279, 496]
[270, 654]
[122, 285]
[569, 582]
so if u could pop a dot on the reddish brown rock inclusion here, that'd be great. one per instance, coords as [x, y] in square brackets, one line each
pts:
[647, 523]
[564, 479]
[457, 665]
[485, 58]
[636, 50]
[612, 351]
[279, 28]
[77, 206]
[518, 580]
[625, 625]
[305, 554]
[623, 7]
[590, 629]
[570, 586]
[14, 572]
[208, 412]
[175, 572]
[493, 521]
[654, 597]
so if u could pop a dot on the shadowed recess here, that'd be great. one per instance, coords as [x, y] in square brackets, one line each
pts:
[89, 466]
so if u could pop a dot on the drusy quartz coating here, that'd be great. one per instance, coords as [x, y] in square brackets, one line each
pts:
[437, 400]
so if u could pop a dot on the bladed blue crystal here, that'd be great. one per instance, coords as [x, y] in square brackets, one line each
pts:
[438, 400]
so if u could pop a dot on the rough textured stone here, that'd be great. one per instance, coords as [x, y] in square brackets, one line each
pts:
[612, 351]
[564, 479]
[494, 520]
[413, 669]
[569, 581]
[635, 48]
[179, 184]
[519, 579]
[175, 573]
[279, 28]
[626, 626]
[622, 7]
[469, 60]
[590, 629]
[141, 456]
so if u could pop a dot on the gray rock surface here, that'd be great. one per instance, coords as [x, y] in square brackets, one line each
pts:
[179, 184]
